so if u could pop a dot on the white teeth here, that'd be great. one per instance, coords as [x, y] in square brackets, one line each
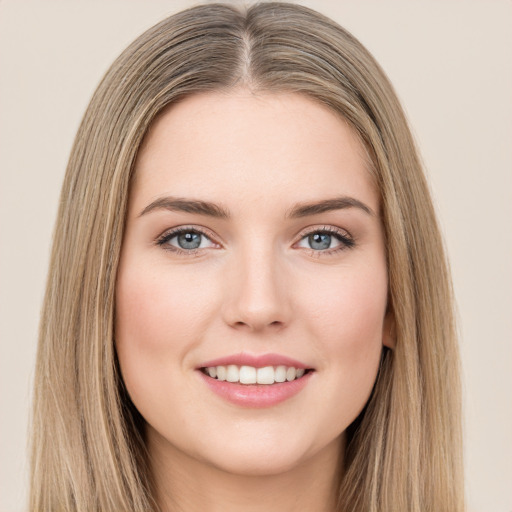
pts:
[232, 373]
[280, 374]
[251, 375]
[247, 375]
[265, 375]
[221, 372]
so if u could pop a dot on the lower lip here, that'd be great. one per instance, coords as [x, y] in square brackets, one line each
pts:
[256, 395]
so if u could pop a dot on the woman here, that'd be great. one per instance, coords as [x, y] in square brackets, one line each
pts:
[248, 302]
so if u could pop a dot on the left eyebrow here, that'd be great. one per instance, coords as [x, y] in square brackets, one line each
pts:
[337, 203]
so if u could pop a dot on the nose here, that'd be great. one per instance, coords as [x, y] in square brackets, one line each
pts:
[257, 293]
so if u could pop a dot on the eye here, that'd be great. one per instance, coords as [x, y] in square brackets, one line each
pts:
[326, 239]
[185, 239]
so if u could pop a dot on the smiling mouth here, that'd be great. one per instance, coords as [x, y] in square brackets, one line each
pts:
[267, 375]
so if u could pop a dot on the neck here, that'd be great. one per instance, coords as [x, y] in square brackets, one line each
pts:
[185, 484]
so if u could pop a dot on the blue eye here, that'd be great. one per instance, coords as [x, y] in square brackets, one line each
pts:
[320, 241]
[185, 240]
[325, 240]
[189, 240]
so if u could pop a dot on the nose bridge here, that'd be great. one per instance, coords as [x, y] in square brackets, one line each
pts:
[256, 288]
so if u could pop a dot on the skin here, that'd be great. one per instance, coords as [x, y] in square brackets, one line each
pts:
[255, 285]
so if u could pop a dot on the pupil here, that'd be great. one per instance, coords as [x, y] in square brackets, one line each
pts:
[319, 241]
[189, 240]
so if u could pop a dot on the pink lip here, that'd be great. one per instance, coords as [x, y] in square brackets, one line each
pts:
[256, 395]
[257, 361]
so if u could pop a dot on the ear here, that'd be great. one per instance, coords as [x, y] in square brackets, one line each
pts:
[389, 330]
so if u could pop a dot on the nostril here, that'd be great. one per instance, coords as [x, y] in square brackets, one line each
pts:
[258, 326]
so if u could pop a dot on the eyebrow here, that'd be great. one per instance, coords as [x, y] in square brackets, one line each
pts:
[337, 203]
[178, 204]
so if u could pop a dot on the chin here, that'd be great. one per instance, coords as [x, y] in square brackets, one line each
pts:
[265, 457]
[261, 464]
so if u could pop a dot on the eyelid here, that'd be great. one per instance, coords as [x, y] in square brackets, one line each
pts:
[189, 227]
[324, 228]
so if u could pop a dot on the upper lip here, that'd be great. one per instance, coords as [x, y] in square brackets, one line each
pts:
[257, 361]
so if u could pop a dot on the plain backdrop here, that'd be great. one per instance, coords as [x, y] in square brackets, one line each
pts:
[450, 62]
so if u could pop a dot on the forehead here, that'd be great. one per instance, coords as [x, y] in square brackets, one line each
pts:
[241, 145]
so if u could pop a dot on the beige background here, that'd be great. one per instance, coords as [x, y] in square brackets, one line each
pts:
[451, 64]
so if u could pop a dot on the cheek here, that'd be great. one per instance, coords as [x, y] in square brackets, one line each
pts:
[350, 308]
[346, 321]
[157, 309]
[156, 326]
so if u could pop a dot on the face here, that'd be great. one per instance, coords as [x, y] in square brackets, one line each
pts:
[253, 253]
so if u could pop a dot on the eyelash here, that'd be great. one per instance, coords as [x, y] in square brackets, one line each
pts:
[346, 241]
[163, 240]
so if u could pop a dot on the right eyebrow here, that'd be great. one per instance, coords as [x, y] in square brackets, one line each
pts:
[177, 204]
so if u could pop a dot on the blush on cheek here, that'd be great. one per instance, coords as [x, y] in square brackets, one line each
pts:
[146, 309]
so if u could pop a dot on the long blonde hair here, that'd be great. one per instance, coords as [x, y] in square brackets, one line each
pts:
[88, 452]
